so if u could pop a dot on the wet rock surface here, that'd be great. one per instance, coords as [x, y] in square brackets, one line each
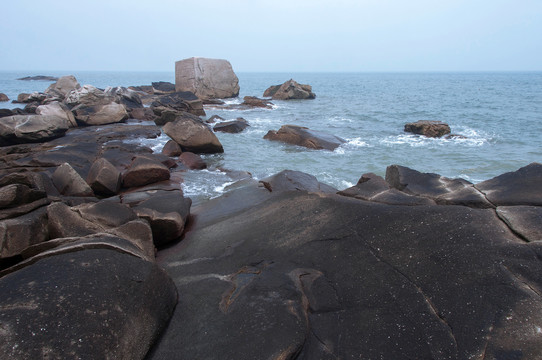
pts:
[302, 136]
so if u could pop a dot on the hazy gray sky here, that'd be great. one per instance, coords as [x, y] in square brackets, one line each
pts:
[273, 35]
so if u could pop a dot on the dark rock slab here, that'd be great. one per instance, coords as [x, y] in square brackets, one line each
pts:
[429, 128]
[526, 221]
[17, 233]
[18, 194]
[163, 87]
[443, 190]
[39, 78]
[180, 101]
[310, 276]
[232, 127]
[302, 136]
[521, 187]
[93, 303]
[372, 187]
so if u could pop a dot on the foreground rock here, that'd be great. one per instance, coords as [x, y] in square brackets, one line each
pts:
[302, 136]
[428, 128]
[193, 135]
[207, 78]
[19, 129]
[296, 274]
[290, 90]
[104, 295]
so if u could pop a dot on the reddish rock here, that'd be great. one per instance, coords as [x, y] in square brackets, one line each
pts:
[290, 90]
[192, 161]
[144, 171]
[171, 148]
[428, 128]
[104, 178]
[193, 135]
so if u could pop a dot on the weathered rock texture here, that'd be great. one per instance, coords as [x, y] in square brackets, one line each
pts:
[96, 302]
[207, 78]
[302, 136]
[290, 90]
[305, 275]
[193, 135]
[19, 129]
[428, 128]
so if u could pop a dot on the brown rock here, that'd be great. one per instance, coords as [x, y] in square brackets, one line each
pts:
[192, 161]
[193, 135]
[207, 78]
[428, 128]
[3, 97]
[253, 101]
[290, 90]
[69, 182]
[104, 178]
[144, 171]
[167, 215]
[171, 148]
[18, 233]
[302, 136]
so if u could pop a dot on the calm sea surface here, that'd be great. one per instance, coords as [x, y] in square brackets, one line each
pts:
[500, 114]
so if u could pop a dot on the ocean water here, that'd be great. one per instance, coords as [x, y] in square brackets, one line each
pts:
[500, 115]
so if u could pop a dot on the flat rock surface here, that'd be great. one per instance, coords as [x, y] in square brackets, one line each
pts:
[90, 304]
[313, 276]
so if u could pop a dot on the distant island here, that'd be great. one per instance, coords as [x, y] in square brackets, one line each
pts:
[39, 78]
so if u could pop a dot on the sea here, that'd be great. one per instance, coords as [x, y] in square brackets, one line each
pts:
[498, 114]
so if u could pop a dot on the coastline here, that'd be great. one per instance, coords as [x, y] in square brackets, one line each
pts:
[97, 225]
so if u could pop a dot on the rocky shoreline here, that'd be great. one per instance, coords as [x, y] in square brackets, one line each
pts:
[103, 257]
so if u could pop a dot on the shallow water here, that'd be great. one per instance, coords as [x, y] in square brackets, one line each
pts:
[499, 113]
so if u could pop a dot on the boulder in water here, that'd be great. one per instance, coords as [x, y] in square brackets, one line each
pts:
[302, 136]
[207, 78]
[290, 90]
[429, 128]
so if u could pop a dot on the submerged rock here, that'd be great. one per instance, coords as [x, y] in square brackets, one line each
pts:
[232, 127]
[302, 136]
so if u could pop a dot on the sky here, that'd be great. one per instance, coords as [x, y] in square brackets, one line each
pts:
[273, 35]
